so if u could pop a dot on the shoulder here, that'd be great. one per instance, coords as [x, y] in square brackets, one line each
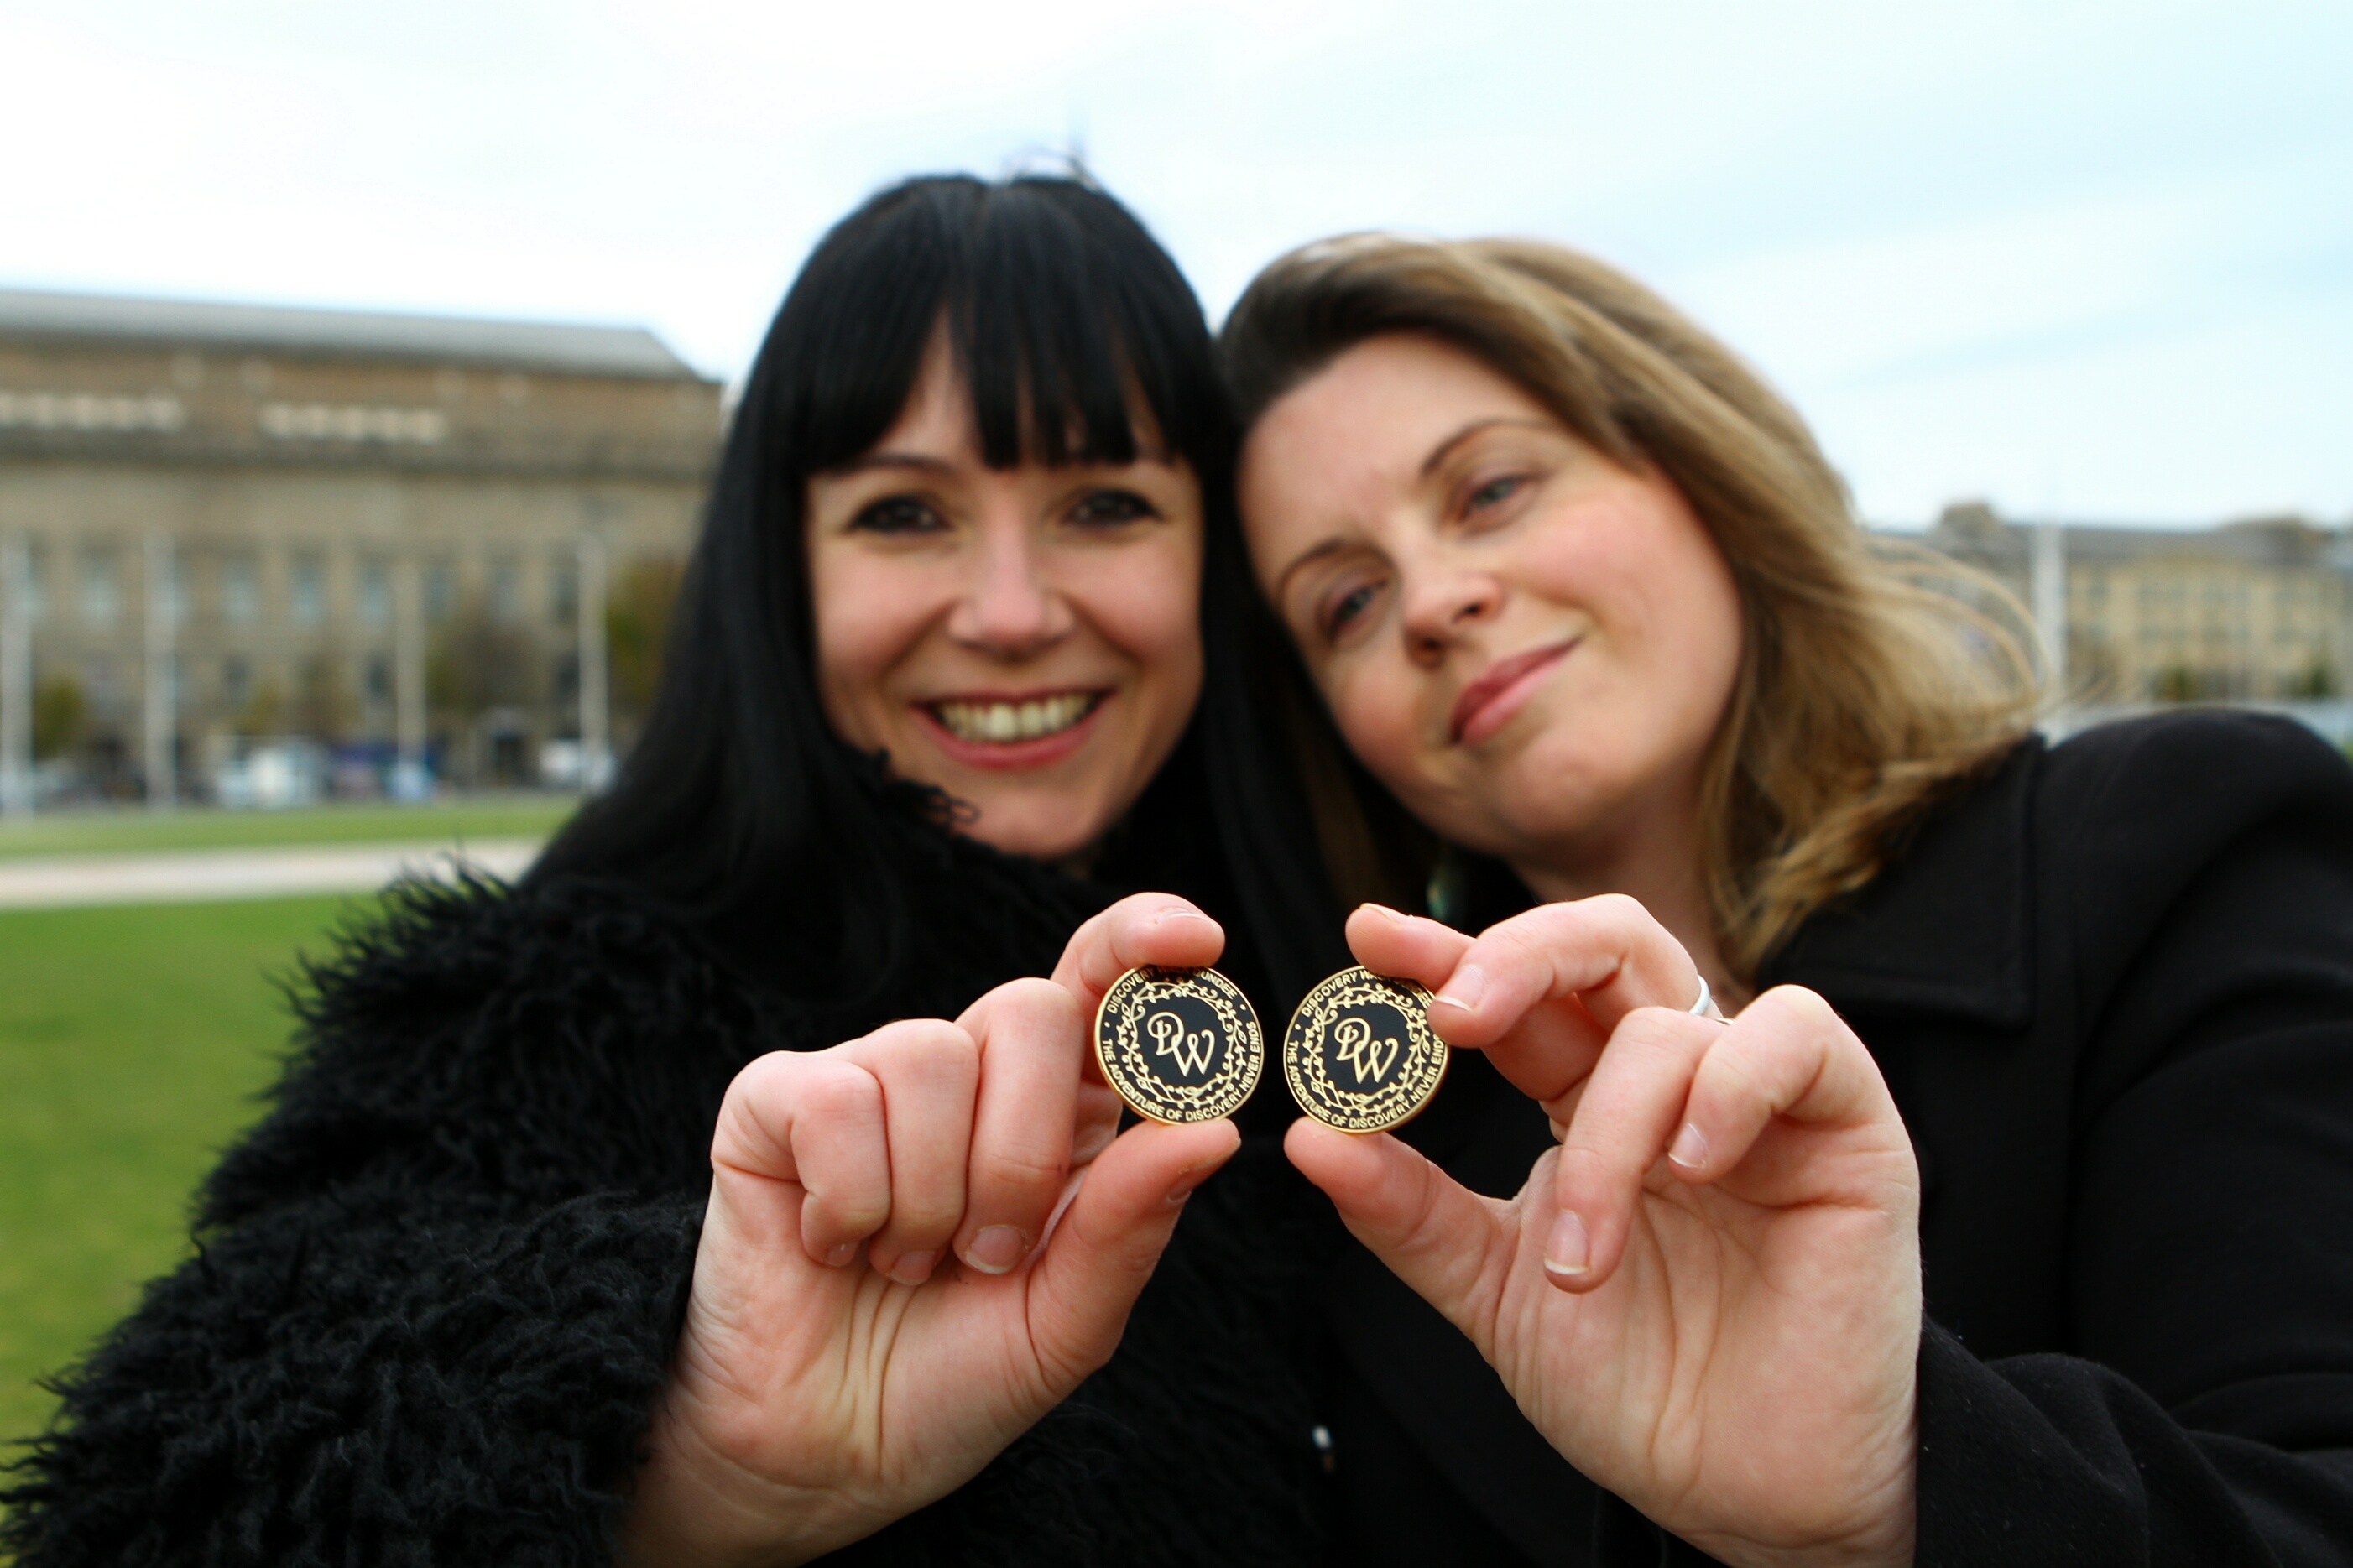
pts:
[566, 1033]
[2204, 774]
[2130, 818]
[2087, 845]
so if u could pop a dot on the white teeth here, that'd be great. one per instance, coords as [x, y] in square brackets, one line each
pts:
[1007, 721]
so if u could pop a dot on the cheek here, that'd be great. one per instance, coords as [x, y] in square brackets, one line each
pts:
[1372, 707]
[1146, 602]
[868, 616]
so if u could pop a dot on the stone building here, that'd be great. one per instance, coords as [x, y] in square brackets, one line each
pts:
[220, 522]
[2260, 610]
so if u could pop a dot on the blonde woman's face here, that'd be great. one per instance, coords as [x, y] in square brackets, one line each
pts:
[1530, 646]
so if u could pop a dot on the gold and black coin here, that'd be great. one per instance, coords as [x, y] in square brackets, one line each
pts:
[1360, 1054]
[1179, 1044]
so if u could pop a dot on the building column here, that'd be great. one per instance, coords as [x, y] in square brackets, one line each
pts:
[16, 678]
[596, 712]
[409, 668]
[161, 710]
[2049, 582]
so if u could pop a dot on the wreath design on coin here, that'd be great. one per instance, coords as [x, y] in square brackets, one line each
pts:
[1178, 1045]
[1360, 1054]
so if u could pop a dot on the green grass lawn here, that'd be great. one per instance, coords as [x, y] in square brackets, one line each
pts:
[133, 1041]
[87, 832]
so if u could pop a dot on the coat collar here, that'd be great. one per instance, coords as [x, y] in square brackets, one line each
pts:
[1947, 928]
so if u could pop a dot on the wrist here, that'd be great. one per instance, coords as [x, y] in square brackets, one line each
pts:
[694, 1507]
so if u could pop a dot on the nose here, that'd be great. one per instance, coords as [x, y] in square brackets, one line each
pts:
[1010, 609]
[1439, 605]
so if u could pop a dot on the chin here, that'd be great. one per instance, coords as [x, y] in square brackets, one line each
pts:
[1040, 830]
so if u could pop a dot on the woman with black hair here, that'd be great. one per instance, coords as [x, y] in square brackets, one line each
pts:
[472, 1290]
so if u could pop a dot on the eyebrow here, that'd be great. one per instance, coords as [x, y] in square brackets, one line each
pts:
[1430, 464]
[1439, 453]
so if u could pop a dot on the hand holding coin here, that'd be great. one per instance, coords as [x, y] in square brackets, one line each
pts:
[1708, 1298]
[917, 1243]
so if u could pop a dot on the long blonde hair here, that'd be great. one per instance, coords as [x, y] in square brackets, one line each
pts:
[1867, 690]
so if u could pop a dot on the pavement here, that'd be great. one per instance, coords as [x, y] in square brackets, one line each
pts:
[211, 876]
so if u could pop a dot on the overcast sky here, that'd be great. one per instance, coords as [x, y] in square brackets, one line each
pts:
[2093, 258]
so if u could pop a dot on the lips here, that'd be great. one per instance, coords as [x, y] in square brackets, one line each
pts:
[1012, 729]
[1489, 702]
[1003, 719]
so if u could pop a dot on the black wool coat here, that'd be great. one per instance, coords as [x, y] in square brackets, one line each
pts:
[2112, 990]
[436, 1288]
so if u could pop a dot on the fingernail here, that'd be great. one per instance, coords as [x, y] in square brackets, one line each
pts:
[1464, 990]
[914, 1268]
[841, 1255]
[1691, 1147]
[1567, 1250]
[1171, 917]
[1395, 917]
[1182, 1187]
[996, 1249]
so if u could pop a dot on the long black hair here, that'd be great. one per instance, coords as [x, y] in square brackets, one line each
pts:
[1062, 312]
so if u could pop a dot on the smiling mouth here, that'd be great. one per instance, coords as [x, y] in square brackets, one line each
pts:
[990, 722]
[1488, 703]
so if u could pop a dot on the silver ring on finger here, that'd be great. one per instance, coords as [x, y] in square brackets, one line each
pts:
[1705, 1007]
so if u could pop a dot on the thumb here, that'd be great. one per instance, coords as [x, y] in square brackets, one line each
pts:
[1108, 1241]
[1452, 1246]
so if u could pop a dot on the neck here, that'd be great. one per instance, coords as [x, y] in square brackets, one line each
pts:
[1655, 860]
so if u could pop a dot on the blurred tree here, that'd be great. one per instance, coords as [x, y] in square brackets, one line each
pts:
[637, 628]
[264, 713]
[477, 663]
[324, 708]
[60, 715]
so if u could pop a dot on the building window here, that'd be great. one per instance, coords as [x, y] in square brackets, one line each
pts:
[375, 594]
[440, 591]
[379, 679]
[237, 681]
[240, 589]
[506, 592]
[310, 590]
[101, 590]
[564, 591]
[565, 687]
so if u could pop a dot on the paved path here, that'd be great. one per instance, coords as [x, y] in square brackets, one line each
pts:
[209, 876]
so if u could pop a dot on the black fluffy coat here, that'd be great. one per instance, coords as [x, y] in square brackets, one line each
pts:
[436, 1288]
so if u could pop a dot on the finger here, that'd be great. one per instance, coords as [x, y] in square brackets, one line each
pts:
[1448, 1243]
[813, 1121]
[1110, 1238]
[930, 1073]
[1630, 1108]
[1544, 1055]
[1143, 928]
[1032, 1041]
[1409, 947]
[1787, 1055]
[1607, 952]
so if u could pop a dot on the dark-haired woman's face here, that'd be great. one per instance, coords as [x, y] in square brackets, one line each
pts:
[1529, 645]
[1027, 639]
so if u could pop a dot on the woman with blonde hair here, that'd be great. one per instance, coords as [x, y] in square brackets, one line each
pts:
[2008, 1216]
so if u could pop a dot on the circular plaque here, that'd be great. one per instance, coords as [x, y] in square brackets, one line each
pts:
[1360, 1054]
[1178, 1045]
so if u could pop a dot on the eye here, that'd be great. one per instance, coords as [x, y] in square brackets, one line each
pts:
[897, 515]
[1494, 492]
[1346, 607]
[1110, 508]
